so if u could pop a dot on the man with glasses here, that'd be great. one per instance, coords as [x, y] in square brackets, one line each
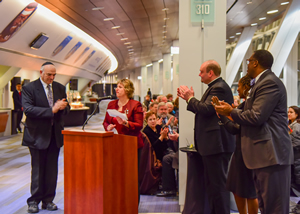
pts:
[266, 145]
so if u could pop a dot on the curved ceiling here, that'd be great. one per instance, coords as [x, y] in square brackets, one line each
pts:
[147, 28]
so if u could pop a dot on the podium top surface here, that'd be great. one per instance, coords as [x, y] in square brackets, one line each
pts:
[87, 132]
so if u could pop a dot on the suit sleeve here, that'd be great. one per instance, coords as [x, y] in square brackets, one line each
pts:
[29, 107]
[266, 96]
[230, 126]
[206, 108]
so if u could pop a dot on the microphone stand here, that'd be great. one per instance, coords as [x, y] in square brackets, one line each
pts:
[91, 115]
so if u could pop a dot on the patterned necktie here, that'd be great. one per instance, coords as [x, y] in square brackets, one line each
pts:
[252, 82]
[50, 96]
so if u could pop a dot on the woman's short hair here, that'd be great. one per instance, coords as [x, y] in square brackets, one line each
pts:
[149, 114]
[128, 86]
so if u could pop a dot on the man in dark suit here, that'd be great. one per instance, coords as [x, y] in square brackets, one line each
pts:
[18, 105]
[44, 103]
[212, 142]
[266, 145]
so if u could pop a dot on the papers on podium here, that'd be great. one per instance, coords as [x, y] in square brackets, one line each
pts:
[115, 113]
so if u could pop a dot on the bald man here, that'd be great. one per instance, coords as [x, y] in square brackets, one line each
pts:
[214, 144]
[44, 103]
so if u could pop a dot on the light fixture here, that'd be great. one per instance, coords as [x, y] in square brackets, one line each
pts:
[249, 2]
[166, 18]
[131, 53]
[272, 11]
[231, 37]
[131, 49]
[149, 65]
[165, 31]
[253, 24]
[165, 26]
[284, 3]
[164, 37]
[115, 27]
[129, 46]
[165, 9]
[127, 43]
[159, 61]
[108, 19]
[139, 77]
[119, 34]
[239, 33]
[262, 18]
[98, 8]
[124, 39]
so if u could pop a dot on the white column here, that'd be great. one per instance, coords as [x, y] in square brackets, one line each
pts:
[155, 78]
[167, 85]
[175, 82]
[196, 46]
[143, 83]
[290, 75]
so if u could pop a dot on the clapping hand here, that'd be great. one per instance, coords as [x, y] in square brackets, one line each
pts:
[159, 121]
[174, 136]
[185, 93]
[221, 107]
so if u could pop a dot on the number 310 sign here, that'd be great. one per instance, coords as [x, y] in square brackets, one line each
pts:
[203, 10]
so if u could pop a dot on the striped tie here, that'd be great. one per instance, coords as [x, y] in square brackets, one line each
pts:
[50, 96]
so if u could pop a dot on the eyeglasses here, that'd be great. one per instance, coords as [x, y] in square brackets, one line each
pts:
[249, 60]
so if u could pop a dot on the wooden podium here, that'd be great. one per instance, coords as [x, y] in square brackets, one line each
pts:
[100, 173]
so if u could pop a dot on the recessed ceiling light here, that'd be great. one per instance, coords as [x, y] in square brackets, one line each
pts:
[254, 24]
[165, 9]
[249, 2]
[129, 46]
[108, 19]
[119, 34]
[239, 33]
[131, 53]
[165, 31]
[115, 27]
[124, 39]
[165, 26]
[164, 37]
[127, 43]
[231, 37]
[98, 8]
[166, 19]
[284, 3]
[130, 49]
[262, 18]
[272, 11]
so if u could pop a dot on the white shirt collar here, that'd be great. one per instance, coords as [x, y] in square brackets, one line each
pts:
[45, 84]
[258, 76]
[214, 80]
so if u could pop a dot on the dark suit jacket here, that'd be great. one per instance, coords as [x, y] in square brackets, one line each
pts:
[264, 126]
[17, 101]
[211, 137]
[39, 116]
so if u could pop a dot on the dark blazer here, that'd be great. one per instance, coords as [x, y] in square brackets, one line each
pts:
[210, 135]
[39, 116]
[17, 101]
[134, 111]
[264, 126]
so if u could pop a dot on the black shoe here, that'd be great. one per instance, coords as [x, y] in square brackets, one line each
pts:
[166, 194]
[49, 206]
[33, 207]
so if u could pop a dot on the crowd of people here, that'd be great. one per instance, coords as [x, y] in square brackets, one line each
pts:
[255, 131]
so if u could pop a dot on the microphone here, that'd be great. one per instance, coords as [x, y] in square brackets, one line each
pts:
[111, 97]
[98, 101]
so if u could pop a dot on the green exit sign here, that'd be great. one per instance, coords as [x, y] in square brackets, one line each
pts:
[203, 10]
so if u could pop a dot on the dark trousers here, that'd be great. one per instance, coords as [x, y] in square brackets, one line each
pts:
[44, 164]
[273, 188]
[215, 175]
[168, 173]
[19, 118]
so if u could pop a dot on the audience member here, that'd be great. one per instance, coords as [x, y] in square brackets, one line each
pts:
[170, 108]
[18, 109]
[266, 144]
[212, 141]
[240, 179]
[147, 102]
[170, 98]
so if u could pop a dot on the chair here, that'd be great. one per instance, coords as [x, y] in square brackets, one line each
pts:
[149, 169]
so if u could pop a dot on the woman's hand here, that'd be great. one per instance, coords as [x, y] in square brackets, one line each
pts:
[159, 121]
[110, 127]
[120, 120]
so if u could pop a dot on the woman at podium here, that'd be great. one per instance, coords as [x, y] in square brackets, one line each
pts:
[131, 108]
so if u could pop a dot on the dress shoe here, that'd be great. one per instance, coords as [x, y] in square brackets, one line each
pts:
[49, 206]
[166, 194]
[33, 207]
